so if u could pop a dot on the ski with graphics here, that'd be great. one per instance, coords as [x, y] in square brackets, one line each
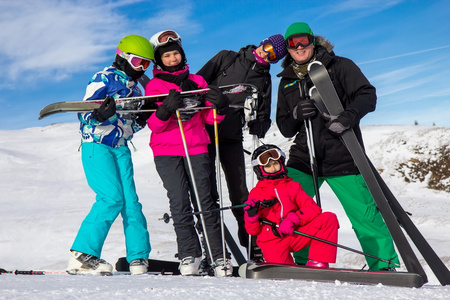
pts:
[193, 100]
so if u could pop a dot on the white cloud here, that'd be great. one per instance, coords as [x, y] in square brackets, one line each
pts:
[403, 55]
[53, 39]
[176, 17]
[359, 8]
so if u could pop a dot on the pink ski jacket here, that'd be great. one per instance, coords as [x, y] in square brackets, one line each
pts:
[165, 138]
[291, 198]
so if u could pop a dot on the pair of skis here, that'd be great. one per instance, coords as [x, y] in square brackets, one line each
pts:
[327, 100]
[157, 266]
[134, 104]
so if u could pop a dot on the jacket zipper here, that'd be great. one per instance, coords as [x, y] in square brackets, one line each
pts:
[281, 203]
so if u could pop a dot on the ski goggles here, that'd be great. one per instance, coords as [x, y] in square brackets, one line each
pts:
[268, 48]
[303, 40]
[264, 158]
[166, 37]
[135, 60]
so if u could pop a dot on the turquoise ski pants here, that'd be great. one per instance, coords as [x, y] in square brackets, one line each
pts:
[367, 222]
[109, 172]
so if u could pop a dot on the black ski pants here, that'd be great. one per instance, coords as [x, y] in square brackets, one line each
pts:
[175, 174]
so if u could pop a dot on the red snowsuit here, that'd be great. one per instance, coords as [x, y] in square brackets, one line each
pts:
[292, 198]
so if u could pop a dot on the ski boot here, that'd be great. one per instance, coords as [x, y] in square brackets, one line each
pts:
[190, 266]
[138, 266]
[82, 264]
[317, 264]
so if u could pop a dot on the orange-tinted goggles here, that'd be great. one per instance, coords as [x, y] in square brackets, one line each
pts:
[268, 48]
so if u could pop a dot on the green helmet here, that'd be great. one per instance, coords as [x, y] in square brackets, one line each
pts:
[298, 28]
[137, 45]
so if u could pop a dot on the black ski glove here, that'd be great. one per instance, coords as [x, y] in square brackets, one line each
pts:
[259, 128]
[106, 110]
[336, 124]
[252, 207]
[141, 118]
[172, 102]
[219, 100]
[305, 109]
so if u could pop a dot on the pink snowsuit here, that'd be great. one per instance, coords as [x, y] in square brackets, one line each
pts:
[292, 198]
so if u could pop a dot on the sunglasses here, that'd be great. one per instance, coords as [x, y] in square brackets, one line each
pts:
[135, 60]
[168, 36]
[264, 158]
[268, 48]
[303, 40]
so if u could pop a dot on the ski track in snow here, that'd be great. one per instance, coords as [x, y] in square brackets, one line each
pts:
[45, 197]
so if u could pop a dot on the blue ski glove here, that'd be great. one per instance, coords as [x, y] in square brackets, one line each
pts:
[305, 109]
[106, 110]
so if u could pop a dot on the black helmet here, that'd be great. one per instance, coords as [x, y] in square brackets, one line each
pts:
[259, 161]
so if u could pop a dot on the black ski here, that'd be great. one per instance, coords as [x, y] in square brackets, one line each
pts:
[281, 271]
[323, 84]
[436, 265]
[132, 104]
[157, 266]
[164, 267]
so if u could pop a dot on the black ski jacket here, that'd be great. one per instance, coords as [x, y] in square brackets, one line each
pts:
[230, 67]
[358, 98]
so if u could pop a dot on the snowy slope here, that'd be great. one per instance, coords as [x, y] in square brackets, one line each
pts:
[44, 198]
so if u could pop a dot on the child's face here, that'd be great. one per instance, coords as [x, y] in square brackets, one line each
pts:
[171, 58]
[272, 167]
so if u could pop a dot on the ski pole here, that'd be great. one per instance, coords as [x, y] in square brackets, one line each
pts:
[17, 272]
[250, 104]
[166, 217]
[194, 184]
[274, 226]
[312, 159]
[310, 143]
[219, 186]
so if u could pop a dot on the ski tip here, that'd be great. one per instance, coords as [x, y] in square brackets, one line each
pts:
[243, 270]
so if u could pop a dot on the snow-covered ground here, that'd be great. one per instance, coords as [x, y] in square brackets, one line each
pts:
[44, 198]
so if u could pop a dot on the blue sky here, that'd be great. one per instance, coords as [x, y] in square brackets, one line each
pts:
[50, 49]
